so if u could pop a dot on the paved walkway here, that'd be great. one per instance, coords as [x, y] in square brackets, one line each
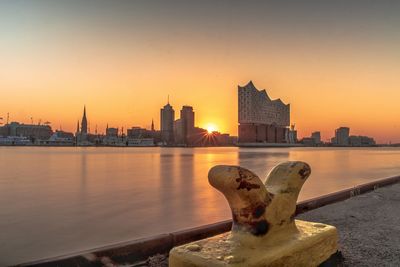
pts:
[368, 225]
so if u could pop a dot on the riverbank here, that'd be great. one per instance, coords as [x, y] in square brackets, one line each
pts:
[367, 225]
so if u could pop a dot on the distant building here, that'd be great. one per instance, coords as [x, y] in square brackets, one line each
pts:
[342, 136]
[82, 137]
[33, 132]
[84, 126]
[292, 135]
[4, 131]
[138, 132]
[361, 141]
[261, 120]
[201, 137]
[187, 117]
[111, 132]
[184, 127]
[314, 140]
[308, 141]
[317, 137]
[61, 138]
[167, 118]
[180, 132]
[15, 141]
[137, 136]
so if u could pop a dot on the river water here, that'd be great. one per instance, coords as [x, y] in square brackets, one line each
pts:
[55, 201]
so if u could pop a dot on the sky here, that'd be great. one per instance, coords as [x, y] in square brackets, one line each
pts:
[336, 62]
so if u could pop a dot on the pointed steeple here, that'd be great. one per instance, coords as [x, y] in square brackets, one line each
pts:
[77, 127]
[84, 126]
[152, 125]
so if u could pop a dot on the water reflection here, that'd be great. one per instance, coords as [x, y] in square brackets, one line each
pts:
[260, 161]
[167, 189]
[61, 200]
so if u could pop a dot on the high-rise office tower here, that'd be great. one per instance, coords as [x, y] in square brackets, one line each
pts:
[167, 117]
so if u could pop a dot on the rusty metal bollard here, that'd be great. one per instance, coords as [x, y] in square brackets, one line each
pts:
[264, 231]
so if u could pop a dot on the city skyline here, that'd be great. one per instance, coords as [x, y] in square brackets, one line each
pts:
[289, 135]
[336, 63]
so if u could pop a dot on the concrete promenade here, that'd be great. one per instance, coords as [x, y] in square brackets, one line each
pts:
[368, 225]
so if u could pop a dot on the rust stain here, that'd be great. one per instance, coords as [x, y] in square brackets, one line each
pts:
[243, 183]
[305, 172]
[259, 228]
[259, 210]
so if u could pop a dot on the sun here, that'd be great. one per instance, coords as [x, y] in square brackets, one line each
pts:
[211, 127]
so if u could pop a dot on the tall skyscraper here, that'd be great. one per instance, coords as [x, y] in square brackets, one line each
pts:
[167, 117]
[187, 117]
[342, 136]
[84, 122]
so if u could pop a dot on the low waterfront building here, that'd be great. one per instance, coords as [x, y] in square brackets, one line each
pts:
[14, 141]
[140, 142]
[361, 141]
[138, 136]
[261, 120]
[112, 137]
[60, 138]
[343, 138]
[138, 132]
[308, 141]
[313, 140]
[3, 131]
[201, 137]
[111, 132]
[34, 132]
[317, 137]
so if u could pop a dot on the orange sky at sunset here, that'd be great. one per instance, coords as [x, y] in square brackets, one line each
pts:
[333, 73]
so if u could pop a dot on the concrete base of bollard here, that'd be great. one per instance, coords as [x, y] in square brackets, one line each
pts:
[310, 245]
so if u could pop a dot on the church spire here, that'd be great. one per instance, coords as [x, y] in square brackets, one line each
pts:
[152, 125]
[84, 126]
[77, 127]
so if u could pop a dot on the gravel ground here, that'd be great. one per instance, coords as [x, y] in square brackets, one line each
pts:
[368, 225]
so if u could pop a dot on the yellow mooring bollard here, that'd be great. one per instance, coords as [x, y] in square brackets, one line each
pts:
[264, 231]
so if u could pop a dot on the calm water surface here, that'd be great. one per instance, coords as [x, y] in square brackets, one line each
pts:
[55, 201]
